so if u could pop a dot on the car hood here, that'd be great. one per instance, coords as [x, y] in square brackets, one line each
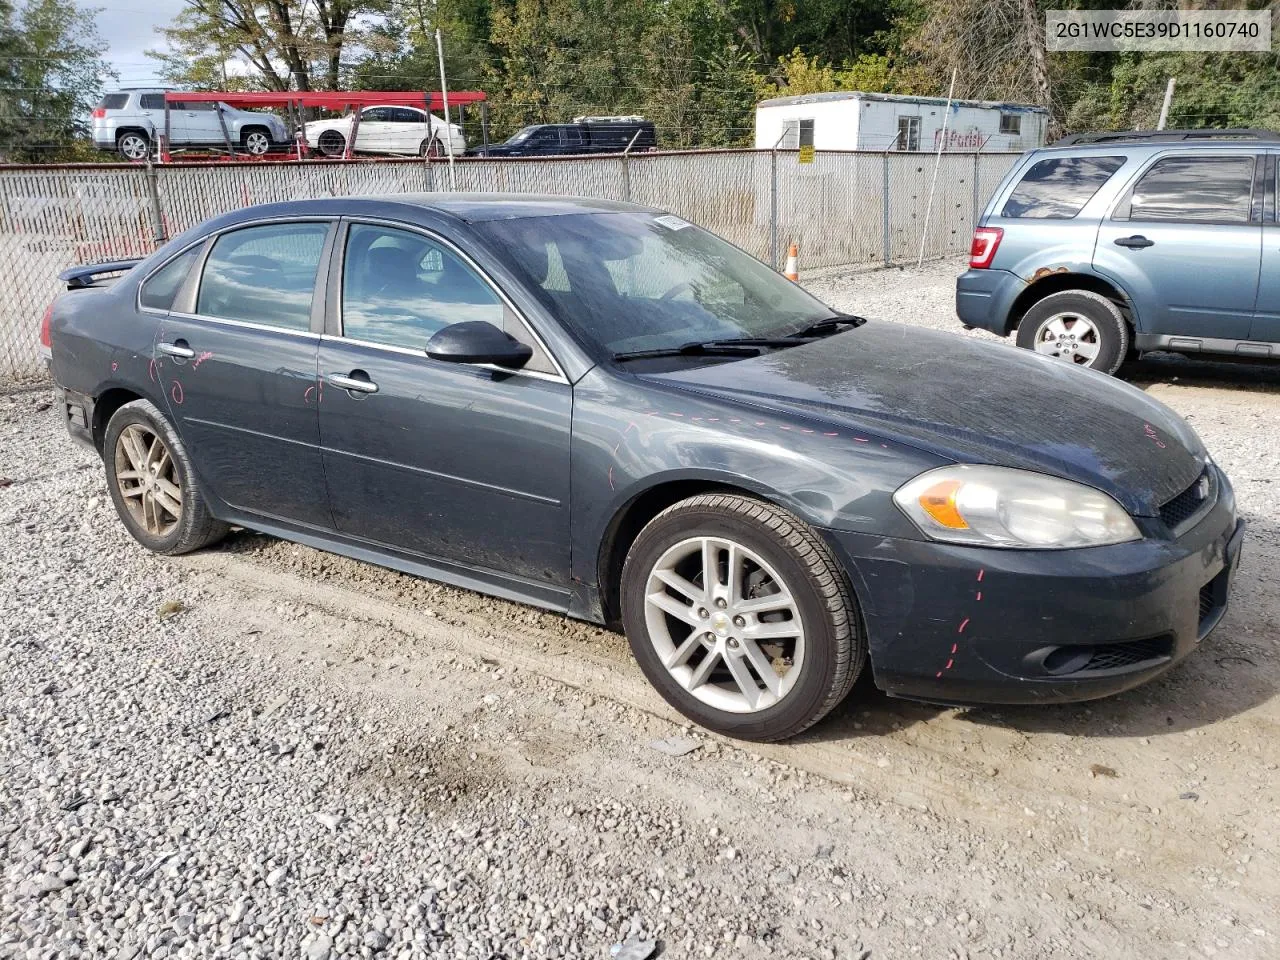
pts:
[973, 402]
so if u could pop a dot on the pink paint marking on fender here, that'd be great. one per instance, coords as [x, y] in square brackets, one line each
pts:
[963, 623]
[306, 394]
[981, 573]
[175, 393]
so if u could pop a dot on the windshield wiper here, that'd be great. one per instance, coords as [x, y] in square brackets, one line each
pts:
[828, 326]
[735, 346]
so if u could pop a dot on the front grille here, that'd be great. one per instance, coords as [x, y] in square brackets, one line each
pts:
[1113, 656]
[1191, 501]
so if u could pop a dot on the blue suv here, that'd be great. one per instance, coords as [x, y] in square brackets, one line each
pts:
[1106, 245]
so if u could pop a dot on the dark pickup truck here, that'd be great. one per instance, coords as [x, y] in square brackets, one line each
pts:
[584, 135]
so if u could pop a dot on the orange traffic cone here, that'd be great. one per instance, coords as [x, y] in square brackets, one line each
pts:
[792, 271]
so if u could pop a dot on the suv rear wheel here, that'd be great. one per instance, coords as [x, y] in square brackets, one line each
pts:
[134, 145]
[1079, 326]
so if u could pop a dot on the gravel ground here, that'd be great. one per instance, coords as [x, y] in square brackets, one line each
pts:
[265, 751]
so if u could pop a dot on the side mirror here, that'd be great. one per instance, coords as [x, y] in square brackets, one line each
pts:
[476, 341]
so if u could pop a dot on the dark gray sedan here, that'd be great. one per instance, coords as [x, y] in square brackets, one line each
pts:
[606, 411]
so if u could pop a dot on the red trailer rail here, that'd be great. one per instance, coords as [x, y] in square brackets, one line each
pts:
[295, 101]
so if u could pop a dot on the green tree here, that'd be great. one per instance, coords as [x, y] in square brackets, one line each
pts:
[52, 76]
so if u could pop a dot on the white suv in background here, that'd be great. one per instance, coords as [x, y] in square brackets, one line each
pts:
[405, 131]
[130, 121]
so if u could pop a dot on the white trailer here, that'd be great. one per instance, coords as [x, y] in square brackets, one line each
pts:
[853, 120]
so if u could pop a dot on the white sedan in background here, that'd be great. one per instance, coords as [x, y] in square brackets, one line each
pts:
[403, 131]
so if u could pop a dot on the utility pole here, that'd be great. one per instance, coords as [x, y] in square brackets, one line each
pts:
[1164, 108]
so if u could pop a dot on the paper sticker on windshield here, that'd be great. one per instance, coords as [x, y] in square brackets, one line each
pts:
[670, 222]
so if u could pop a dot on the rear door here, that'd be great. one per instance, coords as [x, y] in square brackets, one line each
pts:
[460, 463]
[1185, 241]
[1266, 318]
[236, 359]
[407, 130]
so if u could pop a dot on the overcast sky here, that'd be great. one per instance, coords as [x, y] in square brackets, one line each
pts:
[128, 28]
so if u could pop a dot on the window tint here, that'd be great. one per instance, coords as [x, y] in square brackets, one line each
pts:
[203, 106]
[161, 287]
[264, 275]
[113, 101]
[399, 288]
[151, 101]
[406, 115]
[1195, 188]
[1011, 123]
[376, 115]
[1058, 189]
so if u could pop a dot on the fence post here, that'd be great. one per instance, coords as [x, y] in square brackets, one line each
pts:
[884, 205]
[626, 178]
[977, 154]
[157, 215]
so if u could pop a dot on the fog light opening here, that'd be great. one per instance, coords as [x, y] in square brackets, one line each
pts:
[1062, 660]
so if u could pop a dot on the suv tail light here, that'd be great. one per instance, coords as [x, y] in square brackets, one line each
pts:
[46, 340]
[99, 113]
[986, 240]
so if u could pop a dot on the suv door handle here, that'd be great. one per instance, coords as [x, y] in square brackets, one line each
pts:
[360, 384]
[1136, 242]
[178, 349]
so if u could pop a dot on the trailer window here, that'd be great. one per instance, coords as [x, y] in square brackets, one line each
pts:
[908, 134]
[1058, 189]
[797, 133]
[1011, 123]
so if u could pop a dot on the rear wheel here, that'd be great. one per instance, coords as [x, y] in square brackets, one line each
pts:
[430, 148]
[332, 143]
[1079, 326]
[256, 141]
[134, 145]
[152, 483]
[740, 617]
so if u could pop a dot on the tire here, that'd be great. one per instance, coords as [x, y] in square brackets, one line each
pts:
[331, 143]
[1100, 332]
[146, 515]
[256, 141]
[430, 148]
[814, 663]
[134, 145]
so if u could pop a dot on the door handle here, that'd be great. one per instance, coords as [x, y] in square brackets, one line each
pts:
[359, 384]
[1136, 242]
[177, 349]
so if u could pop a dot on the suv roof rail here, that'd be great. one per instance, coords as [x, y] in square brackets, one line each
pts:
[630, 119]
[1114, 136]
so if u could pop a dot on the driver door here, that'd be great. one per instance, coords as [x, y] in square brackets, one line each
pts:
[458, 463]
[374, 132]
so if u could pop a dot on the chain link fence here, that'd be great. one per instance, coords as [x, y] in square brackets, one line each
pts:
[841, 209]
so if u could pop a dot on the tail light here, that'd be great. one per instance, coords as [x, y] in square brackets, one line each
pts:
[99, 113]
[46, 340]
[986, 240]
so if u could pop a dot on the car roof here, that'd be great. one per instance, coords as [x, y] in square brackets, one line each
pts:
[1154, 145]
[467, 207]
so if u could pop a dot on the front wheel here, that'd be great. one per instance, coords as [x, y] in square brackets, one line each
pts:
[152, 483]
[256, 142]
[1079, 326]
[740, 616]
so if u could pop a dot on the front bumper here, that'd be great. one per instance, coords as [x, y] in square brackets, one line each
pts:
[984, 298]
[966, 625]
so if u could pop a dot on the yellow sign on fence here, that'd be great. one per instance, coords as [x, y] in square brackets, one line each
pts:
[806, 153]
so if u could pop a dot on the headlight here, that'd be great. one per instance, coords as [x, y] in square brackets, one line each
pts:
[1003, 507]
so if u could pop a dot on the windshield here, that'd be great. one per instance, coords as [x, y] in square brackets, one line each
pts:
[640, 281]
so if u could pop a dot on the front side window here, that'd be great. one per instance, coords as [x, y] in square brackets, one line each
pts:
[1196, 189]
[399, 288]
[264, 274]
[159, 290]
[1058, 189]
[638, 281]
[376, 115]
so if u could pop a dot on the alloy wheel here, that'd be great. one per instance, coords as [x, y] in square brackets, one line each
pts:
[148, 480]
[724, 624]
[1069, 336]
[257, 143]
[134, 147]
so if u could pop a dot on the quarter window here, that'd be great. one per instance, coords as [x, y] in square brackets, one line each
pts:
[264, 275]
[1195, 189]
[399, 288]
[1058, 189]
[159, 289]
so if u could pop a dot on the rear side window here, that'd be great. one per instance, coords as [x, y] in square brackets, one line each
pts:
[151, 101]
[113, 101]
[264, 275]
[159, 289]
[1197, 189]
[1058, 189]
